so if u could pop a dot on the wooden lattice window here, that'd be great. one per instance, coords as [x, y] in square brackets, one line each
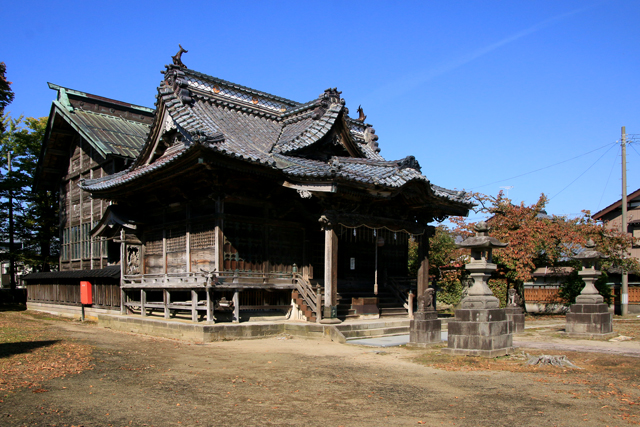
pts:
[202, 236]
[154, 243]
[176, 240]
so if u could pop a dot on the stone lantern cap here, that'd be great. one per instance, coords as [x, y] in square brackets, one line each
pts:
[481, 240]
[589, 254]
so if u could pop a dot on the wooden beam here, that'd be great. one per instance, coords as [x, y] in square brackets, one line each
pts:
[167, 300]
[194, 305]
[236, 306]
[210, 300]
[423, 270]
[143, 302]
[330, 268]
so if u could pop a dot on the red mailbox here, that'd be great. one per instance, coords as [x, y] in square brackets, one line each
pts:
[85, 293]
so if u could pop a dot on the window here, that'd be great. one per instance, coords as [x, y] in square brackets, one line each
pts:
[77, 243]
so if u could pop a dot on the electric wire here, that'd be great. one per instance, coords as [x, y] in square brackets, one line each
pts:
[634, 149]
[586, 170]
[604, 190]
[543, 168]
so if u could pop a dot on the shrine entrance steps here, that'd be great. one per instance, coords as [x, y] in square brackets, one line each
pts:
[389, 305]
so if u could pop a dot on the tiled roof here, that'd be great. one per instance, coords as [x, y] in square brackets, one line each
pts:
[111, 272]
[266, 129]
[307, 131]
[111, 135]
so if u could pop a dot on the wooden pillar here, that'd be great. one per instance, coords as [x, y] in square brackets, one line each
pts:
[423, 270]
[236, 306]
[210, 300]
[123, 309]
[143, 302]
[123, 300]
[219, 237]
[167, 301]
[330, 268]
[194, 305]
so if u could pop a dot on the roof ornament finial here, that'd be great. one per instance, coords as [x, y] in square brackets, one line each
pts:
[177, 58]
[361, 118]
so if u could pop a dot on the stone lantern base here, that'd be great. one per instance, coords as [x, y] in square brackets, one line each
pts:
[480, 332]
[589, 321]
[516, 315]
[425, 329]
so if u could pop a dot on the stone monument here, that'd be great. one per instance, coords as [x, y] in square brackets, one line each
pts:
[425, 328]
[589, 316]
[514, 311]
[480, 327]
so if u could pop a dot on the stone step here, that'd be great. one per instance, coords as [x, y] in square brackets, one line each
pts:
[369, 333]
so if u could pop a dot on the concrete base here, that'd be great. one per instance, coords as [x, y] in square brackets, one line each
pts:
[480, 332]
[425, 329]
[330, 321]
[589, 320]
[70, 311]
[516, 315]
[206, 332]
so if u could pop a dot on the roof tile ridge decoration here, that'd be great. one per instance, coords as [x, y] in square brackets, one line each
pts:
[203, 85]
[78, 93]
[299, 113]
[329, 105]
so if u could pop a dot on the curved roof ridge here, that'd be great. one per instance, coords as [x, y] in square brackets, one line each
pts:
[237, 86]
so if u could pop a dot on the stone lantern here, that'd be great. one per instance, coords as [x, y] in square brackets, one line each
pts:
[481, 267]
[480, 327]
[589, 316]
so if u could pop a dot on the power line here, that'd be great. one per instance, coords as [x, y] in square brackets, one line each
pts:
[634, 148]
[604, 190]
[546, 167]
[550, 198]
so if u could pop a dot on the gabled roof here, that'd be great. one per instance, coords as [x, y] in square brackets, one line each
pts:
[112, 128]
[615, 206]
[206, 113]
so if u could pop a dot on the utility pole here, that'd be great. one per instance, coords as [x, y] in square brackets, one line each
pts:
[12, 259]
[624, 291]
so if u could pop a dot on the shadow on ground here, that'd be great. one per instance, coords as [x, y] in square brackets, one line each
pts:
[11, 348]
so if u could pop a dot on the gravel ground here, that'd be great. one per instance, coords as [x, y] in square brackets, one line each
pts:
[135, 380]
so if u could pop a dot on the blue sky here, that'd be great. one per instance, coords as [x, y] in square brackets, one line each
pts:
[480, 92]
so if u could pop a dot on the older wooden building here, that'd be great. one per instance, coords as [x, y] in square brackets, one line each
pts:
[87, 137]
[239, 195]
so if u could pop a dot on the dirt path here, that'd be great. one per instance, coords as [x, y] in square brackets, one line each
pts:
[137, 380]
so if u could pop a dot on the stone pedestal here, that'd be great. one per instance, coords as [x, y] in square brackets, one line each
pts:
[589, 320]
[589, 317]
[516, 315]
[425, 329]
[480, 332]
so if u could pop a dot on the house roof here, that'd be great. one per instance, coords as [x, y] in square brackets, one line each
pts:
[111, 127]
[615, 206]
[111, 272]
[212, 114]
[119, 131]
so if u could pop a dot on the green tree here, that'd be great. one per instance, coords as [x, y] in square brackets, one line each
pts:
[35, 213]
[6, 94]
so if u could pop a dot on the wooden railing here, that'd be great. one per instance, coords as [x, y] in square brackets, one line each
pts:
[311, 297]
[219, 280]
[400, 287]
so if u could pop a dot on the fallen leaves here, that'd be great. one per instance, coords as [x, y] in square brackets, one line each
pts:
[32, 353]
